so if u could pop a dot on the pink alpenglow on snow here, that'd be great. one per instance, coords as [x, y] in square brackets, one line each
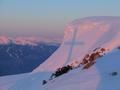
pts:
[4, 40]
[91, 33]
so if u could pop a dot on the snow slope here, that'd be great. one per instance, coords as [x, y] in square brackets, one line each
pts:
[98, 77]
[82, 37]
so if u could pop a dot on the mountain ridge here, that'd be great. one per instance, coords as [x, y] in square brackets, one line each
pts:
[34, 41]
[87, 35]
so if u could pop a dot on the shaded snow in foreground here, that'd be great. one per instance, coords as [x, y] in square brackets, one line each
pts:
[97, 77]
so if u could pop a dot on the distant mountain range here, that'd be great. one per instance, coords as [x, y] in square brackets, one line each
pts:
[23, 55]
[27, 40]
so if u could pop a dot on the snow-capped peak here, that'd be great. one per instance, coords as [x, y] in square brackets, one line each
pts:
[81, 37]
[4, 40]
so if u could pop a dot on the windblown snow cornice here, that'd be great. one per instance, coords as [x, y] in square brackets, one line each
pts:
[100, 19]
[81, 37]
[101, 24]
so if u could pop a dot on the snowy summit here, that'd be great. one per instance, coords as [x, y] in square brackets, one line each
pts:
[81, 37]
[88, 59]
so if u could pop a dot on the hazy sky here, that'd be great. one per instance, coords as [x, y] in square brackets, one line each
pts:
[49, 17]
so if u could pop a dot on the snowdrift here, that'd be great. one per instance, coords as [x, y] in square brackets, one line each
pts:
[82, 37]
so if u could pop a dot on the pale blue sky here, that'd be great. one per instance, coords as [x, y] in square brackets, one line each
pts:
[49, 17]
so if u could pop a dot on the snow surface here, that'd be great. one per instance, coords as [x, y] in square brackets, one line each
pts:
[81, 37]
[91, 33]
[97, 77]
